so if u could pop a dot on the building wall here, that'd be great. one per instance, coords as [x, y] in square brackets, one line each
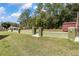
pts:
[68, 24]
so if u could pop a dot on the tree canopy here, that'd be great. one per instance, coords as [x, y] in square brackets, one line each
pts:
[6, 25]
[49, 15]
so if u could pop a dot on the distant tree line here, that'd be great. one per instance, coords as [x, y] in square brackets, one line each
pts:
[49, 15]
[6, 25]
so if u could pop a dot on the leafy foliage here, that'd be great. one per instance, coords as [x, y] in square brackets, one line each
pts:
[49, 15]
[6, 25]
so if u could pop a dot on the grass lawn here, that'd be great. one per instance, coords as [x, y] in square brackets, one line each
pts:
[48, 33]
[23, 44]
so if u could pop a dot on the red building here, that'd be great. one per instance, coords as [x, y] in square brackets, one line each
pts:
[68, 24]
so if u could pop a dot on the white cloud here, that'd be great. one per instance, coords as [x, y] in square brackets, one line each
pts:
[16, 14]
[13, 17]
[26, 6]
[2, 10]
[2, 17]
[8, 18]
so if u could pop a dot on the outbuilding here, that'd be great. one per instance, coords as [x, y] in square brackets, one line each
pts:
[68, 24]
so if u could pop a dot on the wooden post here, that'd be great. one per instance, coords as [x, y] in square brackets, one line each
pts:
[11, 29]
[71, 33]
[19, 30]
[77, 25]
[33, 30]
[40, 31]
[77, 28]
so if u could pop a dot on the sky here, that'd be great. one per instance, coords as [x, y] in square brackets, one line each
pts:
[11, 11]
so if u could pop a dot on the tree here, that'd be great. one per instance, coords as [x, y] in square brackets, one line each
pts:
[6, 25]
[49, 15]
[73, 8]
[24, 17]
[39, 15]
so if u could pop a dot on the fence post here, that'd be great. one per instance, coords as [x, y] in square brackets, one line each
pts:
[72, 33]
[33, 30]
[11, 29]
[19, 30]
[40, 31]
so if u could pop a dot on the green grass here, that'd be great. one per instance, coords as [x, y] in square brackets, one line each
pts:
[22, 44]
[48, 33]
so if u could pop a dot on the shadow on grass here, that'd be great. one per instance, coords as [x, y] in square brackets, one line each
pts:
[3, 36]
